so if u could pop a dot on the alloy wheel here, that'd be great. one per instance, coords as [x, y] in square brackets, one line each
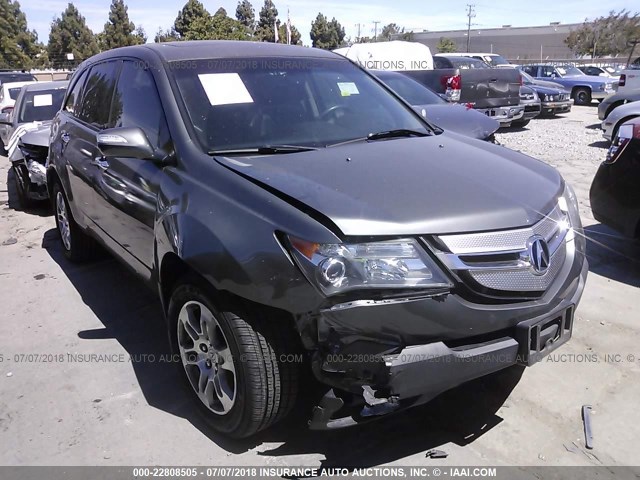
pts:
[206, 357]
[63, 221]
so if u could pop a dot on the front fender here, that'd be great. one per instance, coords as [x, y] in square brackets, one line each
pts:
[229, 236]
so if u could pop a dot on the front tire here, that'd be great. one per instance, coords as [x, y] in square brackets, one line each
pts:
[24, 200]
[234, 361]
[77, 245]
[582, 96]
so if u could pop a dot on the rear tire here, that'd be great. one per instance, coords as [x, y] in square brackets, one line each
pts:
[77, 245]
[582, 96]
[234, 368]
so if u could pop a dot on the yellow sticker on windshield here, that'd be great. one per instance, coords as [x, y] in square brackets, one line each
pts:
[348, 88]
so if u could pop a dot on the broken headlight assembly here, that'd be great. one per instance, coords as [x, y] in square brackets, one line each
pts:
[391, 264]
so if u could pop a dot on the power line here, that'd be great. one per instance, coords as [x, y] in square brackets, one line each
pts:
[471, 13]
[358, 25]
[375, 30]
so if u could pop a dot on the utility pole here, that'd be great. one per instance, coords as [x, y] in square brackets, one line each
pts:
[358, 37]
[471, 13]
[375, 30]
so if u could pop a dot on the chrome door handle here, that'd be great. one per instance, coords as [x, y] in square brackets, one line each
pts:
[100, 163]
[65, 137]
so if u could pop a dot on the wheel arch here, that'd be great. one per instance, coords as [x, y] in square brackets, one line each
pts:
[581, 87]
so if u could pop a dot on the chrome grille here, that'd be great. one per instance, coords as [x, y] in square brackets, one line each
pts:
[521, 280]
[506, 240]
[500, 260]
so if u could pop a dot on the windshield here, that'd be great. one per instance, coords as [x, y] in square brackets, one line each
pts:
[42, 105]
[247, 103]
[495, 60]
[467, 63]
[16, 77]
[569, 70]
[411, 91]
[14, 92]
[526, 78]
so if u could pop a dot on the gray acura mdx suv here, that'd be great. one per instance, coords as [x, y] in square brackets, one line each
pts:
[295, 215]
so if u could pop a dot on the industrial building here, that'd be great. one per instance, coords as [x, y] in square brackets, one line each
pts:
[515, 43]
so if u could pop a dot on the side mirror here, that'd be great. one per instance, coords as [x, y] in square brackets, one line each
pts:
[129, 142]
[4, 119]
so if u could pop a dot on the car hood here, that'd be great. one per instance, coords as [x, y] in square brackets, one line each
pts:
[460, 119]
[39, 136]
[541, 89]
[545, 83]
[438, 184]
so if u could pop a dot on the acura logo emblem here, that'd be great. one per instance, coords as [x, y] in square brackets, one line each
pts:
[538, 252]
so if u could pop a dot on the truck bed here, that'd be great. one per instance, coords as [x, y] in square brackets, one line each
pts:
[482, 88]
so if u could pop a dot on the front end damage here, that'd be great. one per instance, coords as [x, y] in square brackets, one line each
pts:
[31, 172]
[384, 355]
[28, 157]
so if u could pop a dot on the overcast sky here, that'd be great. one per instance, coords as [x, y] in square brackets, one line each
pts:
[411, 14]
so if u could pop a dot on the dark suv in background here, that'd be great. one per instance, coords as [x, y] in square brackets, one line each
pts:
[295, 215]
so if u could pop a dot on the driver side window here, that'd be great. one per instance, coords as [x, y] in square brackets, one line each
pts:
[136, 103]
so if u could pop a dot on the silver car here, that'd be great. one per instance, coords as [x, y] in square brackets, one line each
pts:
[37, 102]
[615, 100]
[617, 117]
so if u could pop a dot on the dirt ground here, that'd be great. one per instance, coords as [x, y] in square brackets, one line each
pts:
[60, 406]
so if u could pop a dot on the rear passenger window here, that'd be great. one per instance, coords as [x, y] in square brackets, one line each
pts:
[136, 103]
[72, 104]
[98, 93]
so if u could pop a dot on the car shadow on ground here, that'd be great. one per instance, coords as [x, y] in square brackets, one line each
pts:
[600, 144]
[613, 256]
[42, 209]
[131, 315]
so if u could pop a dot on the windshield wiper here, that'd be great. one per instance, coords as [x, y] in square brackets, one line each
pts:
[264, 150]
[400, 132]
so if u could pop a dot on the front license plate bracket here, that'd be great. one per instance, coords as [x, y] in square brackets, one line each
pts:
[539, 337]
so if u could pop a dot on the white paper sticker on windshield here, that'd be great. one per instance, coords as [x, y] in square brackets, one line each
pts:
[45, 100]
[348, 88]
[224, 88]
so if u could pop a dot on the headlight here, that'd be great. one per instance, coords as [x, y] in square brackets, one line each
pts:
[393, 264]
[568, 203]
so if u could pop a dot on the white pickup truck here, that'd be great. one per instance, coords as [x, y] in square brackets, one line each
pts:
[630, 77]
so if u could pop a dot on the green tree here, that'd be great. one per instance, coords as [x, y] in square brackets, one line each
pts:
[192, 11]
[389, 30]
[296, 37]
[70, 35]
[446, 45]
[268, 17]
[610, 35]
[246, 15]
[19, 46]
[168, 35]
[119, 31]
[326, 34]
[216, 27]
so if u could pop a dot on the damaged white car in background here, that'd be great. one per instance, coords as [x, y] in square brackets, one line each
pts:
[25, 133]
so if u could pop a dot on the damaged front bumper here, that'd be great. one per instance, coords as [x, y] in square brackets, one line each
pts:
[373, 375]
[32, 176]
